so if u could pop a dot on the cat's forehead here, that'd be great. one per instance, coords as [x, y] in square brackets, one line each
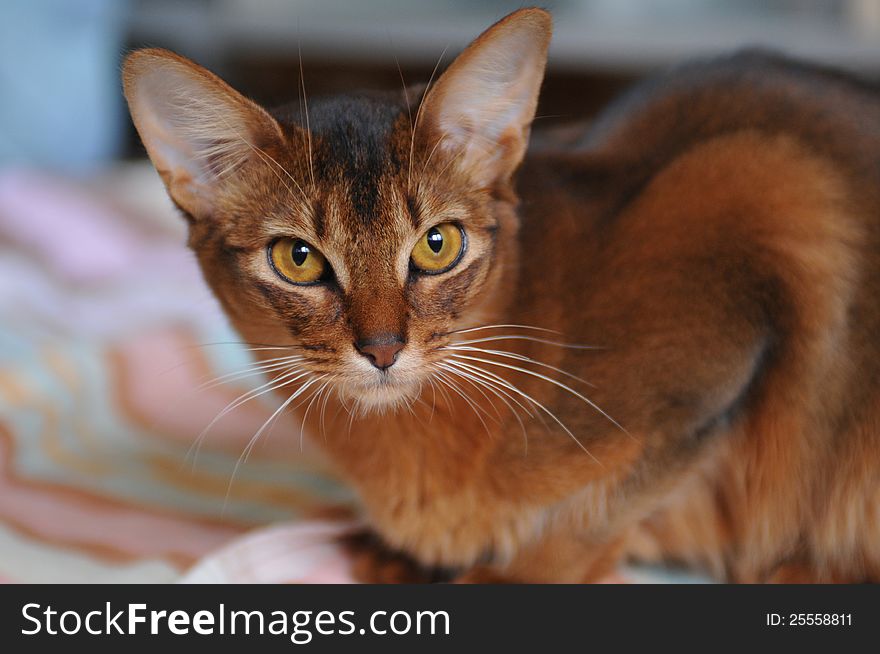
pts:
[359, 147]
[352, 136]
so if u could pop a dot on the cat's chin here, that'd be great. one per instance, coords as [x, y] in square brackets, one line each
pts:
[379, 397]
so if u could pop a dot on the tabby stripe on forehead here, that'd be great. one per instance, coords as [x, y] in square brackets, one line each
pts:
[363, 195]
[319, 217]
[412, 204]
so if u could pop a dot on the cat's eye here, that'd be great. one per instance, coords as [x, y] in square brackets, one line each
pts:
[439, 249]
[296, 261]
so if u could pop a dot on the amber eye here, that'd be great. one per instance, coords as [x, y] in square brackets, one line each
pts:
[439, 249]
[297, 261]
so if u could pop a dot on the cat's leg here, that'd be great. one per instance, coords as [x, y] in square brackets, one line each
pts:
[558, 558]
[374, 562]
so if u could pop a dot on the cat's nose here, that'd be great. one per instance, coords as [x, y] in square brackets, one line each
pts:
[382, 351]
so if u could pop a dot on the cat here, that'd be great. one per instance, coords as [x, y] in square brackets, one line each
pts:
[532, 362]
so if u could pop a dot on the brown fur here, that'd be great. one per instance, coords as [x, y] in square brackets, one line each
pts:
[716, 235]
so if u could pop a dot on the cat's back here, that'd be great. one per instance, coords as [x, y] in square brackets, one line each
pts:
[837, 113]
[739, 147]
[725, 203]
[741, 186]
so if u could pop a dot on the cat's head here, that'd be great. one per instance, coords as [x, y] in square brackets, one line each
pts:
[360, 230]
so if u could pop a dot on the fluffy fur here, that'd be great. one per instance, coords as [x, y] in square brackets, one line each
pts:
[715, 236]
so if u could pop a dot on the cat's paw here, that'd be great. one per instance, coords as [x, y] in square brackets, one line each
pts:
[373, 562]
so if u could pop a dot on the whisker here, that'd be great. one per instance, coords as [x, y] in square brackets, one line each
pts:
[488, 380]
[259, 390]
[500, 393]
[555, 382]
[446, 397]
[455, 157]
[351, 414]
[324, 409]
[517, 357]
[408, 405]
[470, 401]
[314, 396]
[503, 326]
[488, 375]
[241, 399]
[340, 405]
[552, 415]
[412, 143]
[480, 390]
[443, 379]
[416, 398]
[302, 80]
[264, 156]
[249, 346]
[294, 408]
[523, 337]
[250, 371]
[430, 156]
[276, 419]
[412, 127]
[433, 399]
[249, 447]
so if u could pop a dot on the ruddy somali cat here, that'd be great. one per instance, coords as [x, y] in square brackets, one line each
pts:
[715, 236]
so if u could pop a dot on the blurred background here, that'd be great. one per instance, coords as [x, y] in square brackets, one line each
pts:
[59, 70]
[109, 340]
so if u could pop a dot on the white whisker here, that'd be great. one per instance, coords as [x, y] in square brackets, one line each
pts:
[241, 399]
[498, 392]
[479, 390]
[412, 144]
[251, 347]
[503, 326]
[528, 397]
[247, 450]
[428, 159]
[547, 379]
[302, 80]
[444, 379]
[517, 357]
[266, 156]
[449, 403]
[523, 337]
[314, 396]
[495, 382]
[251, 370]
[433, 399]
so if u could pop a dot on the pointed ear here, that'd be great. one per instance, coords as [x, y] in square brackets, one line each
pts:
[195, 127]
[484, 104]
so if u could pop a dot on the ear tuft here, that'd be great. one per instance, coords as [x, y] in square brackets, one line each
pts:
[484, 104]
[196, 128]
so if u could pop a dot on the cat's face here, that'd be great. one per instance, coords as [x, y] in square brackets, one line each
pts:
[360, 233]
[365, 269]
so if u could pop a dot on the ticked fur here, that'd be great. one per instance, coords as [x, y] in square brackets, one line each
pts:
[714, 237]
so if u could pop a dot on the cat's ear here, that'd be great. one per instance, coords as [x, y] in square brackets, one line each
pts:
[195, 127]
[483, 105]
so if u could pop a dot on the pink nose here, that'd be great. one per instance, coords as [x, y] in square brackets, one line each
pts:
[382, 352]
